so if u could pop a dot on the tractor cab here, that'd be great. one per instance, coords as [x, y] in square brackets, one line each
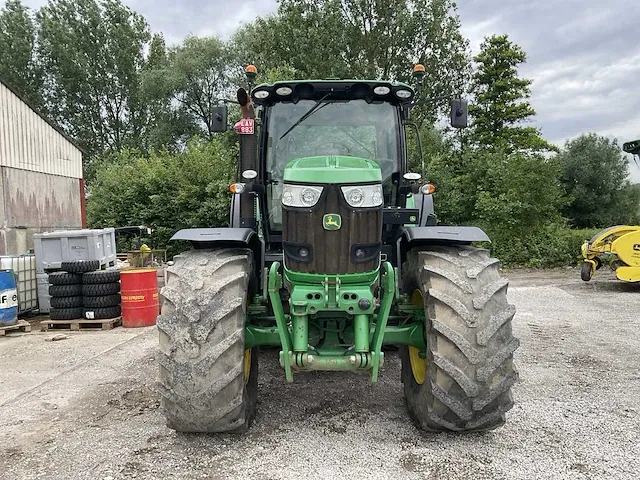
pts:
[325, 131]
[341, 125]
[336, 145]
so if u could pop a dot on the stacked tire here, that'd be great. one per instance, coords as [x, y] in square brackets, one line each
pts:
[65, 289]
[81, 290]
[101, 294]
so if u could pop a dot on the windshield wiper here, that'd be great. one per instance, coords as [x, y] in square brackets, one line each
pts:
[308, 113]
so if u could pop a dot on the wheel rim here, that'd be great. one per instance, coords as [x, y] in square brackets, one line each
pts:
[418, 364]
[247, 364]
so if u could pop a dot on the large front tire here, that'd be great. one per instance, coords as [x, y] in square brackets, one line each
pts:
[207, 380]
[463, 383]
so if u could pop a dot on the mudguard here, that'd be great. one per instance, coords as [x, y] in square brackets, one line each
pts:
[433, 235]
[215, 235]
[436, 233]
[225, 237]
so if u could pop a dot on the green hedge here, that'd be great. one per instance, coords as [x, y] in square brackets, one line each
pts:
[551, 246]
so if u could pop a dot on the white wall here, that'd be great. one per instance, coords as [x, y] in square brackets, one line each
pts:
[28, 142]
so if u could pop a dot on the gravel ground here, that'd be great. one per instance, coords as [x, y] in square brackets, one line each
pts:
[86, 407]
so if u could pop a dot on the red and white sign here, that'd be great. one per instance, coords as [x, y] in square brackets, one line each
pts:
[244, 126]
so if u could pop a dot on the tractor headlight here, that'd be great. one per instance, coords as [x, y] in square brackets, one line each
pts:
[300, 195]
[363, 195]
[355, 197]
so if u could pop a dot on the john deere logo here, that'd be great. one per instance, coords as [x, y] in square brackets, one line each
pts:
[332, 221]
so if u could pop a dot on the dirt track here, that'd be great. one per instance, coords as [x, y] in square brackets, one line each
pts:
[86, 407]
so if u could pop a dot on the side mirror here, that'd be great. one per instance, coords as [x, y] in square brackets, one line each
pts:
[219, 119]
[459, 111]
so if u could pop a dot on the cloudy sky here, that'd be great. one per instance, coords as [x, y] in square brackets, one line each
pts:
[584, 55]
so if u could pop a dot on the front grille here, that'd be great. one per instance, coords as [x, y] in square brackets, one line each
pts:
[331, 250]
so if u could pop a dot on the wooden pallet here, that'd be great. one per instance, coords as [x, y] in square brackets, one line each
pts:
[80, 324]
[21, 326]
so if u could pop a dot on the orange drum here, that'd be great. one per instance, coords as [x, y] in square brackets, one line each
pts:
[139, 297]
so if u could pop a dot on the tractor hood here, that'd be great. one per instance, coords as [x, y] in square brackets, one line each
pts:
[332, 169]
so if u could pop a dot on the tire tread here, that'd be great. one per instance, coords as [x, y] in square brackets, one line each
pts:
[64, 278]
[80, 266]
[72, 290]
[470, 343]
[201, 327]
[100, 289]
[101, 276]
[66, 302]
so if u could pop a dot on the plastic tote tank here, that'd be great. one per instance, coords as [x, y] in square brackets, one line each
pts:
[53, 248]
[24, 266]
[8, 298]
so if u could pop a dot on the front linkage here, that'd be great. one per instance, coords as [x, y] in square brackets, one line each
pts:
[319, 315]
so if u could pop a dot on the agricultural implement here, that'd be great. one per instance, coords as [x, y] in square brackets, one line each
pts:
[333, 251]
[620, 244]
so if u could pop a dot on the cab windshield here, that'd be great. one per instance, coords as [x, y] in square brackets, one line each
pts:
[349, 128]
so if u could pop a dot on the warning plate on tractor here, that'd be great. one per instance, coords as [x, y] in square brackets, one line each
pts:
[244, 126]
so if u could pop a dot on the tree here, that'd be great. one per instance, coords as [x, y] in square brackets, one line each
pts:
[595, 176]
[168, 128]
[364, 39]
[18, 59]
[197, 74]
[93, 53]
[501, 100]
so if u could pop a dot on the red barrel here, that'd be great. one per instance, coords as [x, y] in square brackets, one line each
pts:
[139, 297]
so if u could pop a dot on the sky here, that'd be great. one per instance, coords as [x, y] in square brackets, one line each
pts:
[583, 55]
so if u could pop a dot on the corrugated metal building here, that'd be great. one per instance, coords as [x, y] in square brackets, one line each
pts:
[41, 184]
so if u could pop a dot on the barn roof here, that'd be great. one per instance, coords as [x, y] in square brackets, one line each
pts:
[26, 101]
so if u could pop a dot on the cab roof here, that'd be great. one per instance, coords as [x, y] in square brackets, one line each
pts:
[332, 89]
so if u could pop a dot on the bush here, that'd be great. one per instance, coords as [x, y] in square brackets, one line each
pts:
[166, 191]
[551, 246]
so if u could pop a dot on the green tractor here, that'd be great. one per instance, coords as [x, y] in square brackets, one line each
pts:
[333, 252]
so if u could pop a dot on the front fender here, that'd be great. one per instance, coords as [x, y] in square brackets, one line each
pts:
[225, 237]
[216, 235]
[443, 234]
[435, 235]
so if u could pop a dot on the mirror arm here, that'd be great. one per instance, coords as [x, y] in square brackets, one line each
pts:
[428, 100]
[225, 100]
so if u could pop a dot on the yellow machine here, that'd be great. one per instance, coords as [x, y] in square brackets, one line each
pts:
[623, 241]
